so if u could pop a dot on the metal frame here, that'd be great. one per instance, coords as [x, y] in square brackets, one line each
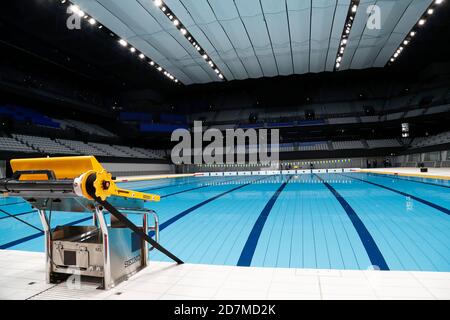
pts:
[99, 220]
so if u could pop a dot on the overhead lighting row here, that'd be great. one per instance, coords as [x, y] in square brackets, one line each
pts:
[353, 8]
[410, 36]
[75, 9]
[183, 30]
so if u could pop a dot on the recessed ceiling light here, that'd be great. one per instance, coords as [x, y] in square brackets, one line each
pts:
[74, 8]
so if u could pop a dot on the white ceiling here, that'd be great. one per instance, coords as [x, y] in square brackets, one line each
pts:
[257, 38]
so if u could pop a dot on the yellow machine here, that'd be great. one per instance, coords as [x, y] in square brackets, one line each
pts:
[111, 252]
[78, 169]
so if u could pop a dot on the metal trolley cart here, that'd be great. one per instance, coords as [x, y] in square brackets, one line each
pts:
[111, 253]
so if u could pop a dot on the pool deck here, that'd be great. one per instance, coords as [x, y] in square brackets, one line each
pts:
[433, 173]
[22, 277]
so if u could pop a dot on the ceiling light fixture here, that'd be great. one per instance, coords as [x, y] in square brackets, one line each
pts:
[409, 37]
[75, 9]
[353, 8]
[184, 31]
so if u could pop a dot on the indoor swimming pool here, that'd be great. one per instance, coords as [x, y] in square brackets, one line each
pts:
[327, 221]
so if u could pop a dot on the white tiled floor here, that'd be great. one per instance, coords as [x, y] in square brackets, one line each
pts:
[22, 277]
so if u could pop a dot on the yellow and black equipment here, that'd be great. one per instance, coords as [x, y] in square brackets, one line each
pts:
[111, 252]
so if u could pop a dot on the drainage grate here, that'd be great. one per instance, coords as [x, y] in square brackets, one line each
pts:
[63, 292]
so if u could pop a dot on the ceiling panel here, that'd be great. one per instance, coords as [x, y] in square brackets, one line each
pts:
[372, 40]
[253, 19]
[401, 30]
[234, 27]
[276, 17]
[374, 47]
[323, 14]
[257, 38]
[300, 22]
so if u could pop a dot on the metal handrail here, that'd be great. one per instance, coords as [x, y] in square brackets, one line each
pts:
[154, 228]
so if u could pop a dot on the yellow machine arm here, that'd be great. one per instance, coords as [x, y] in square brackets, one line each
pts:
[85, 171]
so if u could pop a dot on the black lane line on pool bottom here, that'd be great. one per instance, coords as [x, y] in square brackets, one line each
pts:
[389, 176]
[12, 203]
[36, 235]
[15, 216]
[174, 219]
[374, 253]
[428, 203]
[248, 251]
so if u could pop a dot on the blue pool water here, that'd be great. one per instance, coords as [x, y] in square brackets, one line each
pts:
[338, 221]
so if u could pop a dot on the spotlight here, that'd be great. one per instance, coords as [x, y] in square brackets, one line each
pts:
[132, 49]
[92, 21]
[183, 31]
[74, 8]
[421, 22]
[354, 8]
[439, 1]
[80, 13]
[152, 63]
[176, 22]
[158, 3]
[123, 42]
[430, 11]
[141, 56]
[412, 33]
